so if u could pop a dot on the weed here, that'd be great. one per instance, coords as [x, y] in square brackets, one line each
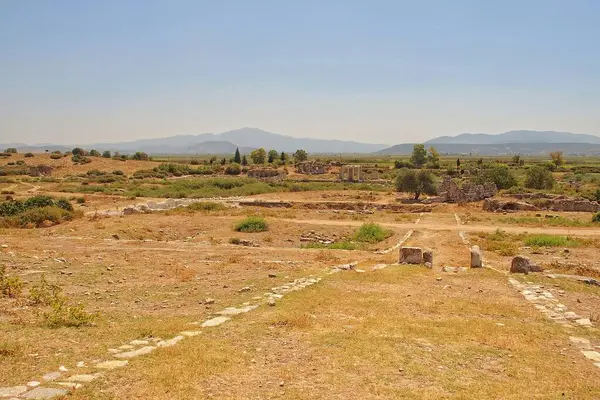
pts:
[64, 315]
[10, 286]
[235, 241]
[43, 293]
[252, 224]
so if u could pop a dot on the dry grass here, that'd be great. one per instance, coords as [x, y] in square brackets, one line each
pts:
[347, 339]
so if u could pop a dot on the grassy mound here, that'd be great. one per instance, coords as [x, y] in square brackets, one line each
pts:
[252, 224]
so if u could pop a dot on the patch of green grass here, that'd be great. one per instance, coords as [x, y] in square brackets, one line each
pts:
[372, 233]
[252, 224]
[342, 245]
[544, 240]
[501, 243]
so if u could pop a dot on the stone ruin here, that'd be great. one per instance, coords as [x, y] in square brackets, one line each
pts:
[351, 173]
[554, 202]
[542, 202]
[312, 167]
[416, 256]
[266, 174]
[40, 170]
[450, 192]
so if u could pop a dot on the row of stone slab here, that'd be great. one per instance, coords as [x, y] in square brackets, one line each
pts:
[418, 256]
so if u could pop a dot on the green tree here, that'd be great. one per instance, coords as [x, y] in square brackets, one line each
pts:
[94, 153]
[78, 151]
[300, 156]
[419, 155]
[433, 158]
[518, 160]
[11, 150]
[539, 177]
[140, 156]
[258, 156]
[244, 160]
[272, 156]
[283, 157]
[557, 158]
[498, 174]
[237, 158]
[415, 182]
[106, 154]
[223, 161]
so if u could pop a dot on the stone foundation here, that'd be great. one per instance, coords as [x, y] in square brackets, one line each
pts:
[411, 255]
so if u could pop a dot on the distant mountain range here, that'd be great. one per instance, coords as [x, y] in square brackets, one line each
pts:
[513, 142]
[248, 139]
[517, 137]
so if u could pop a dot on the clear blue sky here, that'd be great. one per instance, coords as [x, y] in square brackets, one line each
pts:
[376, 71]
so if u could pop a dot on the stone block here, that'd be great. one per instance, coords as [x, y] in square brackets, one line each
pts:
[523, 265]
[411, 255]
[428, 258]
[476, 259]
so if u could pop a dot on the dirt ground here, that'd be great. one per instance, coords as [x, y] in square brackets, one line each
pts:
[364, 332]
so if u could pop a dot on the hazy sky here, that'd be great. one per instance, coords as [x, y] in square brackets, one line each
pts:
[377, 71]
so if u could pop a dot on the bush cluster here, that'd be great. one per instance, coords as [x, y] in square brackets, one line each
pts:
[37, 211]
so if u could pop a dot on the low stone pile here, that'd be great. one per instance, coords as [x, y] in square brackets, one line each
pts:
[497, 205]
[314, 237]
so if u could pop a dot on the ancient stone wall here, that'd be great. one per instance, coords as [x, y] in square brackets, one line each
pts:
[312, 167]
[450, 192]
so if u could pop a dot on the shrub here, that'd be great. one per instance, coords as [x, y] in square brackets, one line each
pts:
[28, 155]
[64, 204]
[235, 241]
[10, 286]
[140, 156]
[37, 217]
[94, 153]
[80, 200]
[43, 293]
[118, 172]
[539, 178]
[498, 174]
[403, 164]
[596, 217]
[372, 233]
[106, 154]
[79, 159]
[206, 206]
[39, 201]
[11, 150]
[55, 156]
[252, 224]
[78, 151]
[20, 162]
[69, 316]
[233, 169]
